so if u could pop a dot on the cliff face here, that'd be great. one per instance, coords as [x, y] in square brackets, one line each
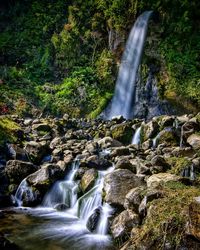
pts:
[52, 52]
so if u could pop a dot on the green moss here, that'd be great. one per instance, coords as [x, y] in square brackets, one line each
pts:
[122, 133]
[8, 130]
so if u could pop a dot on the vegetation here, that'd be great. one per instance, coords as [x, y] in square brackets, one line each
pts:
[8, 130]
[167, 216]
[61, 57]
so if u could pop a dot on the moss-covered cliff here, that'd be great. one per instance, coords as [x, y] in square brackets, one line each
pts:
[62, 56]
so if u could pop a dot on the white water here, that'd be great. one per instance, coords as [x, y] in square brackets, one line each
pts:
[21, 190]
[66, 192]
[136, 137]
[123, 100]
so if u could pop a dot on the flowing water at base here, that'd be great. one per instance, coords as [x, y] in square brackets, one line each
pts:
[46, 229]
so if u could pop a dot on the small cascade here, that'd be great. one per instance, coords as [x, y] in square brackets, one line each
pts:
[105, 214]
[65, 191]
[189, 172]
[123, 100]
[181, 138]
[23, 189]
[136, 137]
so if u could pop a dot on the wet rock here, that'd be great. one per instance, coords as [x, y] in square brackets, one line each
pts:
[123, 223]
[88, 180]
[61, 207]
[160, 178]
[122, 132]
[168, 137]
[124, 163]
[189, 128]
[93, 220]
[147, 144]
[158, 160]
[17, 170]
[108, 142]
[118, 183]
[45, 177]
[36, 151]
[6, 244]
[166, 121]
[150, 130]
[95, 161]
[41, 127]
[194, 141]
[120, 151]
[56, 142]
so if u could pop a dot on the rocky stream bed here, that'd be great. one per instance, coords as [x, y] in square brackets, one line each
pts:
[152, 187]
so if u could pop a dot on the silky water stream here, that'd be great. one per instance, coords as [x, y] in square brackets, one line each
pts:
[48, 229]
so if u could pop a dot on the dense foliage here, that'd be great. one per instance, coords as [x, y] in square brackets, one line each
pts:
[61, 56]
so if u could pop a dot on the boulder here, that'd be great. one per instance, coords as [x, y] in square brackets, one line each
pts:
[134, 198]
[45, 177]
[61, 207]
[108, 142]
[123, 223]
[6, 244]
[44, 127]
[120, 151]
[168, 137]
[93, 220]
[118, 183]
[122, 132]
[156, 179]
[95, 161]
[124, 163]
[36, 151]
[56, 141]
[88, 180]
[150, 130]
[194, 141]
[17, 170]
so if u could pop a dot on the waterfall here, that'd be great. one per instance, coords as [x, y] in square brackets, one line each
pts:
[136, 137]
[123, 100]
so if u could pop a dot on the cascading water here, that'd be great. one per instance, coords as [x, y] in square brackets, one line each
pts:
[23, 189]
[65, 192]
[76, 223]
[123, 100]
[136, 137]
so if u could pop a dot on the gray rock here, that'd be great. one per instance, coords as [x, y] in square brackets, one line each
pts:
[36, 151]
[17, 170]
[194, 141]
[118, 183]
[45, 177]
[88, 180]
[123, 223]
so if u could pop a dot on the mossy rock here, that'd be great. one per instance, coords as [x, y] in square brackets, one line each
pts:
[168, 137]
[166, 218]
[122, 132]
[178, 164]
[8, 130]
